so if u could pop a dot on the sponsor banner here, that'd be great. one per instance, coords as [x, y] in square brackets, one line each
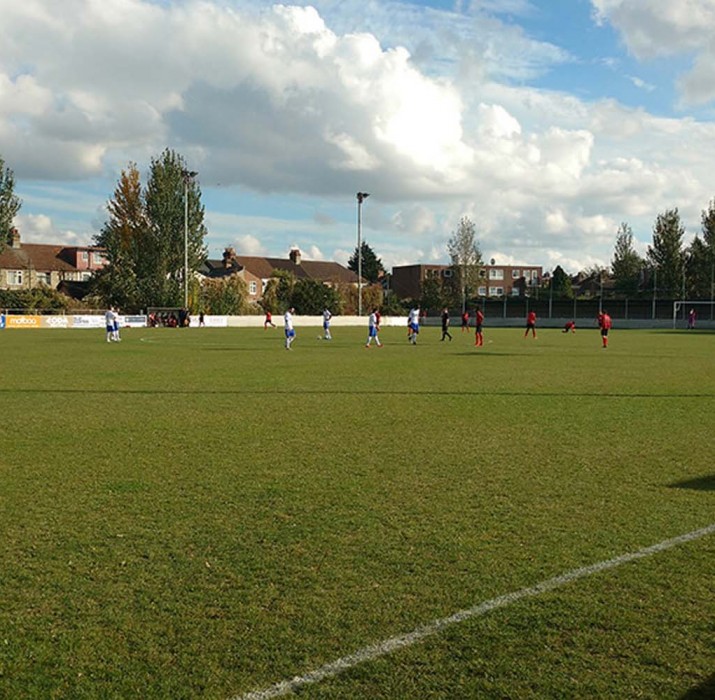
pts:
[23, 321]
[55, 322]
[210, 321]
[88, 321]
[133, 321]
[2, 321]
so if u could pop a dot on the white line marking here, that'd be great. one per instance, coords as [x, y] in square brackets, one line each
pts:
[388, 646]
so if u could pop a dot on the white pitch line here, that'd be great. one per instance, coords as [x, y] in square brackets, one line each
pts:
[388, 646]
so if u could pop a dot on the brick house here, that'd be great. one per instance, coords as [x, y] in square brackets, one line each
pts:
[30, 265]
[256, 271]
[495, 280]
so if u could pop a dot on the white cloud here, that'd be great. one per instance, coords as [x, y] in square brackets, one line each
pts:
[654, 28]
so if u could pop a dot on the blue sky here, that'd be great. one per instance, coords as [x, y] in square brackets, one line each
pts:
[546, 123]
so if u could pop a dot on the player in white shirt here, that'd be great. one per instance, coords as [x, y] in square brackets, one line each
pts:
[109, 323]
[373, 330]
[115, 335]
[288, 326]
[326, 324]
[413, 324]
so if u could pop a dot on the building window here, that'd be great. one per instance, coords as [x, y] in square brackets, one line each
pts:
[86, 276]
[44, 278]
[14, 277]
[97, 258]
[84, 256]
[496, 274]
[515, 291]
[264, 284]
[496, 291]
[447, 272]
[482, 291]
[515, 274]
[527, 275]
[252, 288]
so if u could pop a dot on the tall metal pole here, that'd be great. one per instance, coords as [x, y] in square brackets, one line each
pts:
[360, 197]
[187, 175]
[551, 292]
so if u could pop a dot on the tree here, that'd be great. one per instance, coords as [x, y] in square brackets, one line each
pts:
[10, 203]
[163, 259]
[466, 257]
[278, 293]
[666, 254]
[122, 236]
[561, 284]
[432, 294]
[699, 269]
[144, 237]
[224, 297]
[312, 296]
[372, 267]
[708, 228]
[626, 264]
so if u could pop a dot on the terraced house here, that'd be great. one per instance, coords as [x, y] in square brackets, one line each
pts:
[30, 265]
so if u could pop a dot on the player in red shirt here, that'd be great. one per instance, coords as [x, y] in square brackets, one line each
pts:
[570, 326]
[604, 322]
[531, 323]
[479, 320]
[465, 321]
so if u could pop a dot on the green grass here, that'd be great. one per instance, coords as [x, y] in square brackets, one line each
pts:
[200, 513]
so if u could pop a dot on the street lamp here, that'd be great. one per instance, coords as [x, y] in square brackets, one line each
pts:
[188, 175]
[361, 196]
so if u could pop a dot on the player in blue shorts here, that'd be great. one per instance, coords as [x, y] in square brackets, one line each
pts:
[288, 326]
[413, 324]
[373, 329]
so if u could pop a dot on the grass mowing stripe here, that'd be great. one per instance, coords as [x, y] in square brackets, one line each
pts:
[388, 646]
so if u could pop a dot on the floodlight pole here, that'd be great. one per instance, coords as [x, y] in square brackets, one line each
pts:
[188, 175]
[361, 196]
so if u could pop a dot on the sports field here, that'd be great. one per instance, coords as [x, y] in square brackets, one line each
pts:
[201, 514]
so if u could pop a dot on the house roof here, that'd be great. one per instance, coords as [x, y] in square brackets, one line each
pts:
[325, 271]
[35, 256]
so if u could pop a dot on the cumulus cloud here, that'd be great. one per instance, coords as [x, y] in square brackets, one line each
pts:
[653, 28]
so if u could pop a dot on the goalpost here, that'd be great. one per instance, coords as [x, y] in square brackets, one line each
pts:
[684, 304]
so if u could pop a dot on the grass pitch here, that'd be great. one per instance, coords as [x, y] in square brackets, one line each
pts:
[200, 513]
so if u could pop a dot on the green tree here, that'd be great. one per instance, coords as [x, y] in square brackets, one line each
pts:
[122, 236]
[561, 284]
[708, 229]
[10, 203]
[169, 190]
[666, 253]
[466, 258]
[277, 296]
[372, 267]
[312, 296]
[699, 270]
[224, 297]
[626, 264]
[432, 295]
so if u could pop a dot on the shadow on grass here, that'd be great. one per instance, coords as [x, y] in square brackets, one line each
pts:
[700, 483]
[704, 691]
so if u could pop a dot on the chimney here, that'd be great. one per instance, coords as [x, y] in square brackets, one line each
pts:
[14, 238]
[228, 257]
[294, 255]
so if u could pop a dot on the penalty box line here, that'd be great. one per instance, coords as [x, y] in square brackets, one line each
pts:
[393, 644]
